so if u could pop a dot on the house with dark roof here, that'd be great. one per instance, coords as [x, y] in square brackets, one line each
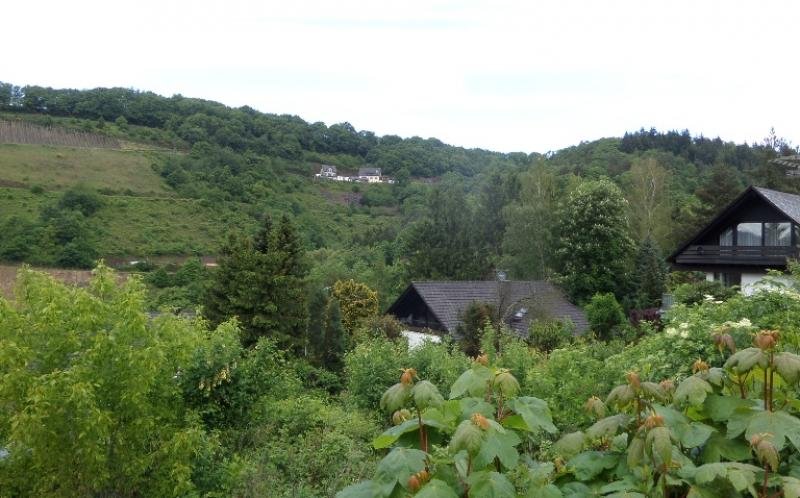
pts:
[369, 175]
[757, 232]
[439, 305]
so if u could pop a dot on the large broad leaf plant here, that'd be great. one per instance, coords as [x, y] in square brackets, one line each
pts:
[723, 431]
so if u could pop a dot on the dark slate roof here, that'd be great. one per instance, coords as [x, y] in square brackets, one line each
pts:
[789, 204]
[791, 163]
[448, 299]
[369, 172]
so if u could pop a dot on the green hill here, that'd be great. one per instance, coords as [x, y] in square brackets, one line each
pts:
[57, 168]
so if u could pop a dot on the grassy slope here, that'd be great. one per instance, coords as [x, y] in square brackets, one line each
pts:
[56, 168]
[154, 221]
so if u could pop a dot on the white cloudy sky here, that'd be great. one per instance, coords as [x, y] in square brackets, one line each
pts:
[509, 76]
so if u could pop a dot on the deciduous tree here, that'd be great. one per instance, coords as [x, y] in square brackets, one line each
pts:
[595, 248]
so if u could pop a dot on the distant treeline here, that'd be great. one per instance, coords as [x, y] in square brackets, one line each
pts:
[245, 129]
[708, 151]
[20, 132]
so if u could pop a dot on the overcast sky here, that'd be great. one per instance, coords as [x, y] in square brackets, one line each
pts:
[508, 76]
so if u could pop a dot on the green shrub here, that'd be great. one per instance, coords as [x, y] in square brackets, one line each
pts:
[547, 335]
[372, 365]
[305, 446]
[570, 376]
[440, 363]
[81, 199]
[604, 314]
[696, 292]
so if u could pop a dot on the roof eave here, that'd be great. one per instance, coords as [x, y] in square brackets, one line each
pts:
[714, 221]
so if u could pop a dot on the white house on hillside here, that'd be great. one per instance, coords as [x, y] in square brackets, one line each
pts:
[328, 171]
[370, 175]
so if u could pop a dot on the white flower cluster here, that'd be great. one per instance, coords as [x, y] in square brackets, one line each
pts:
[783, 291]
[744, 322]
[682, 331]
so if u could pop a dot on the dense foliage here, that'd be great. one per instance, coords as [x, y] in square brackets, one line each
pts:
[723, 426]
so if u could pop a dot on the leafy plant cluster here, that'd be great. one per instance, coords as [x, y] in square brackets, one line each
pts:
[721, 431]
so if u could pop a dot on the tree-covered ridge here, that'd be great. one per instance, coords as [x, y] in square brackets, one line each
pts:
[188, 121]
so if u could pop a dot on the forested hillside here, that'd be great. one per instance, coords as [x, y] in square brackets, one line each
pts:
[189, 172]
[278, 385]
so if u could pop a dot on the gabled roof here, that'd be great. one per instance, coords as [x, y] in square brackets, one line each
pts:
[369, 172]
[788, 204]
[447, 300]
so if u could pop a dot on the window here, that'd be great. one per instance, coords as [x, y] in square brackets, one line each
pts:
[777, 234]
[726, 237]
[748, 234]
[728, 279]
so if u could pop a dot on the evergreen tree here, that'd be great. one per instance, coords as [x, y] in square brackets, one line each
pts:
[444, 244]
[649, 275]
[495, 193]
[260, 281]
[595, 247]
[721, 186]
[333, 339]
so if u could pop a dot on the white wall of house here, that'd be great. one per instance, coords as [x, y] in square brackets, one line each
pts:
[750, 281]
[416, 339]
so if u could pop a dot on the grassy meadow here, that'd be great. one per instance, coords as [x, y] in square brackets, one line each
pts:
[57, 168]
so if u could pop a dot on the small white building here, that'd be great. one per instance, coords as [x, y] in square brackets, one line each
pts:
[369, 175]
[327, 171]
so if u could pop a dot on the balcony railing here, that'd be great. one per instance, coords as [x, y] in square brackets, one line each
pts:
[737, 255]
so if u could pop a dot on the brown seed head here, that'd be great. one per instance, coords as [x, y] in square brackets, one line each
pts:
[699, 366]
[595, 406]
[667, 385]
[633, 380]
[654, 421]
[722, 339]
[766, 339]
[480, 421]
[408, 375]
[400, 416]
[414, 484]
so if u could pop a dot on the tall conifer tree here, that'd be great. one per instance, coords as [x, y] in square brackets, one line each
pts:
[260, 281]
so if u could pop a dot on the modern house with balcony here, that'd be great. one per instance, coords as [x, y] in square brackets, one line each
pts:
[757, 232]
